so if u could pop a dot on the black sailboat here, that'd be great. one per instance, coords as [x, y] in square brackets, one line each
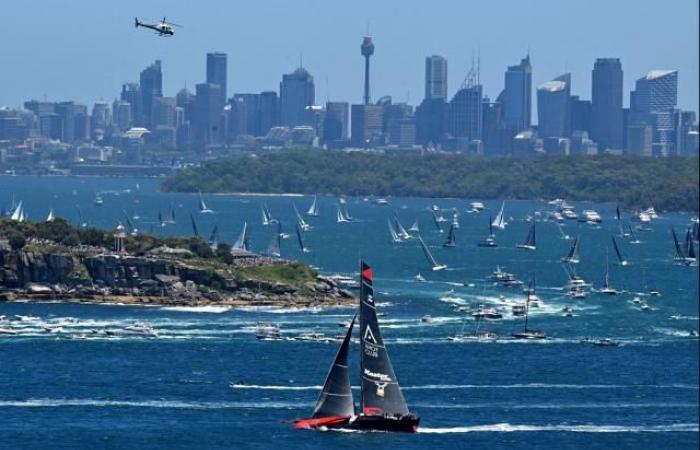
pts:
[214, 237]
[621, 259]
[195, 230]
[274, 248]
[436, 221]
[490, 240]
[573, 256]
[300, 239]
[450, 242]
[383, 405]
[682, 252]
[529, 243]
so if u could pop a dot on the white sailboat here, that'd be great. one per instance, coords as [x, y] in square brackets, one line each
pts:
[241, 244]
[414, 228]
[395, 238]
[51, 217]
[429, 256]
[340, 218]
[300, 220]
[203, 208]
[18, 213]
[313, 209]
[499, 222]
[400, 230]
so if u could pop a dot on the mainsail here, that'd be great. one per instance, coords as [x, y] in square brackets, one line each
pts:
[301, 240]
[414, 228]
[300, 220]
[335, 399]
[341, 216]
[400, 230]
[195, 229]
[572, 257]
[203, 206]
[529, 243]
[689, 246]
[214, 237]
[51, 217]
[392, 232]
[379, 387]
[436, 220]
[274, 248]
[450, 242]
[18, 213]
[313, 209]
[620, 258]
[680, 254]
[429, 256]
[499, 222]
[242, 241]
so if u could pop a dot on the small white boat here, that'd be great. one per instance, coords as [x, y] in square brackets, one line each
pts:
[7, 332]
[420, 278]
[139, 329]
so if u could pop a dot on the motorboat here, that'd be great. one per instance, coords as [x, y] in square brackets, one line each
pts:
[427, 318]
[420, 278]
[589, 215]
[139, 329]
[518, 310]
[7, 332]
[605, 342]
[487, 313]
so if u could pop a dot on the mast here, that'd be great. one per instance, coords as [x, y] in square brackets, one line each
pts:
[379, 387]
[620, 258]
[429, 255]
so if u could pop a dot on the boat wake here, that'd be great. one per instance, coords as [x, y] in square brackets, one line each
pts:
[167, 404]
[511, 428]
[197, 309]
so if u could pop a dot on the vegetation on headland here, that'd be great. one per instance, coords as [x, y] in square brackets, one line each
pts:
[669, 184]
[60, 237]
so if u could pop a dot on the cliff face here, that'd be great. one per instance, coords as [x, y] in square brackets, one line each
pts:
[19, 268]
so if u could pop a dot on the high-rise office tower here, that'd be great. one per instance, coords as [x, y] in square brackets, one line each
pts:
[436, 77]
[606, 103]
[121, 115]
[216, 71]
[366, 125]
[516, 97]
[335, 127]
[367, 50]
[465, 109]
[269, 111]
[208, 109]
[297, 93]
[151, 86]
[431, 121]
[657, 91]
[554, 107]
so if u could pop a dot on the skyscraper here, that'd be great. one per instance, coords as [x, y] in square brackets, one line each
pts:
[335, 127]
[436, 77]
[208, 110]
[554, 107]
[367, 50]
[465, 109]
[657, 91]
[366, 125]
[151, 86]
[297, 92]
[606, 103]
[269, 111]
[516, 97]
[216, 71]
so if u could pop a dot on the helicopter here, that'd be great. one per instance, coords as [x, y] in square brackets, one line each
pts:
[162, 28]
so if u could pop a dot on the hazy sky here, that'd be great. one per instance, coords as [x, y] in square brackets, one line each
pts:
[85, 49]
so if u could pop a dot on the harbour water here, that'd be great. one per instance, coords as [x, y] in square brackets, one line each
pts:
[72, 388]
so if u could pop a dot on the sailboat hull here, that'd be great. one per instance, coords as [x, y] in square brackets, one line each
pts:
[402, 424]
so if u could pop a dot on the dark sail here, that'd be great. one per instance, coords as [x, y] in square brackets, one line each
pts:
[214, 236]
[274, 248]
[530, 239]
[450, 242]
[490, 226]
[572, 257]
[617, 212]
[689, 246]
[620, 258]
[380, 388]
[679, 251]
[437, 222]
[195, 230]
[336, 396]
[301, 240]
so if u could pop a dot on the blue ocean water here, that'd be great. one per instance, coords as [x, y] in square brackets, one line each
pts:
[59, 391]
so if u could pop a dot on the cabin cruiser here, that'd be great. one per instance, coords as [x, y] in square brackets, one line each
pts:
[577, 293]
[313, 336]
[605, 342]
[486, 313]
[518, 310]
[479, 336]
[569, 214]
[476, 207]
[138, 329]
[505, 278]
[591, 216]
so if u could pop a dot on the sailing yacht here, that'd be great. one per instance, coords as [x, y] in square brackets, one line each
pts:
[300, 240]
[564, 236]
[383, 407]
[476, 335]
[437, 221]
[450, 242]
[529, 243]
[392, 232]
[607, 288]
[414, 228]
[685, 254]
[195, 229]
[499, 222]
[528, 333]
[203, 208]
[214, 238]
[18, 213]
[340, 218]
[241, 244]
[51, 217]
[400, 230]
[274, 248]
[621, 259]
[490, 240]
[300, 220]
[429, 256]
[313, 209]
[573, 256]
[266, 216]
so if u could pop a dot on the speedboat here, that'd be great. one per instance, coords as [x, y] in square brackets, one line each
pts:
[139, 329]
[487, 313]
[645, 307]
[518, 310]
[313, 336]
[426, 318]
[7, 332]
[478, 336]
[589, 215]
[476, 207]
[606, 342]
[420, 278]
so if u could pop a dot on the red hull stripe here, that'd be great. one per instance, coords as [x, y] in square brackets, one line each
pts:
[319, 422]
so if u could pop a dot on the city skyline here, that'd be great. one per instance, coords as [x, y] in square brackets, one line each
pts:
[396, 70]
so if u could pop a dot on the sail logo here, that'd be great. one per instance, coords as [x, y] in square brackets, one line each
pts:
[369, 336]
[378, 376]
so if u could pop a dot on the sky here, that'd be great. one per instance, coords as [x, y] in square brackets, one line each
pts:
[84, 50]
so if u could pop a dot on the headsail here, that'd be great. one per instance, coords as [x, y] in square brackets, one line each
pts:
[51, 217]
[450, 242]
[620, 258]
[529, 243]
[499, 222]
[380, 388]
[335, 399]
[429, 256]
[414, 228]
[18, 213]
[572, 257]
[392, 232]
[313, 209]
